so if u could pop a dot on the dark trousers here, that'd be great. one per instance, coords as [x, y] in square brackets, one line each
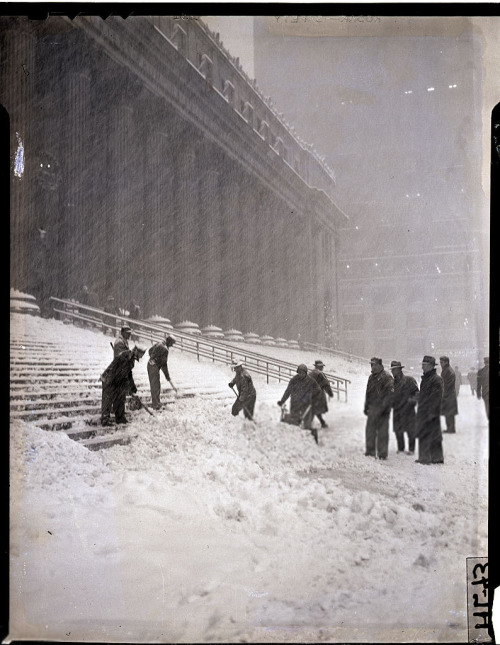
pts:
[112, 399]
[247, 407]
[430, 449]
[401, 426]
[400, 438]
[450, 422]
[377, 434]
[154, 384]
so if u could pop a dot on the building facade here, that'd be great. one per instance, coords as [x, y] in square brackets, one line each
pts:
[397, 110]
[146, 165]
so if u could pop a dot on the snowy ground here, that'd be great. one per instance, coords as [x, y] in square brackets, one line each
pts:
[208, 528]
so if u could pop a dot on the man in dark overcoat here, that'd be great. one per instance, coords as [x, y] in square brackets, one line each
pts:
[301, 389]
[378, 402]
[430, 441]
[246, 392]
[472, 378]
[458, 379]
[449, 407]
[319, 403]
[403, 404]
[117, 382]
[158, 360]
[121, 343]
[483, 385]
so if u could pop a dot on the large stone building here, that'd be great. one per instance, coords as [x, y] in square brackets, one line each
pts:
[160, 172]
[404, 96]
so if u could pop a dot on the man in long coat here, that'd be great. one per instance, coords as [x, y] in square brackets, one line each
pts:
[449, 407]
[301, 389]
[158, 360]
[472, 378]
[483, 385]
[458, 379]
[121, 343]
[403, 404]
[117, 382]
[246, 392]
[319, 403]
[430, 440]
[378, 402]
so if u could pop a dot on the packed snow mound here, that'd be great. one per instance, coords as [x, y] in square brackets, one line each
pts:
[211, 528]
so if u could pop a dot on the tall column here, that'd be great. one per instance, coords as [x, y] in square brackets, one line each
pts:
[187, 200]
[284, 305]
[17, 74]
[78, 261]
[120, 200]
[157, 248]
[275, 317]
[209, 236]
[232, 222]
[214, 242]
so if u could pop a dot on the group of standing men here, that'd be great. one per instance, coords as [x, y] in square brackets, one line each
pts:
[118, 381]
[416, 412]
[307, 391]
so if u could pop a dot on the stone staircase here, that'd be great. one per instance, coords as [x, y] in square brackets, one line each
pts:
[54, 381]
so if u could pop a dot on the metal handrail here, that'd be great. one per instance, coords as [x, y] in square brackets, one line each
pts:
[202, 347]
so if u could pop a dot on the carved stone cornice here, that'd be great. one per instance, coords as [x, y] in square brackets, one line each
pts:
[142, 50]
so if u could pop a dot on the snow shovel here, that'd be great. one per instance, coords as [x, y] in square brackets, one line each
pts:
[140, 404]
[314, 431]
[243, 406]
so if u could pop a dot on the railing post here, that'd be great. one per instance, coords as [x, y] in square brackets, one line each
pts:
[267, 372]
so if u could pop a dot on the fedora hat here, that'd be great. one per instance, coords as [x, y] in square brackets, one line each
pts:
[318, 362]
[429, 359]
[395, 364]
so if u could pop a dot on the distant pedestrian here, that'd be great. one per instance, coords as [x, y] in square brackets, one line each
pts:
[110, 308]
[83, 297]
[483, 385]
[320, 405]
[301, 389]
[122, 342]
[246, 392]
[472, 378]
[378, 401]
[458, 379]
[134, 310]
[403, 404]
[117, 382]
[449, 407]
[158, 360]
[430, 441]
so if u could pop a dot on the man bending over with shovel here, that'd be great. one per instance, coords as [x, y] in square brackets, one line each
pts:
[302, 389]
[158, 360]
[246, 392]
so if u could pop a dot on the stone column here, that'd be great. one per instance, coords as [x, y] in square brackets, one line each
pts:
[214, 242]
[76, 208]
[158, 249]
[284, 305]
[17, 74]
[209, 259]
[186, 232]
[232, 223]
[119, 201]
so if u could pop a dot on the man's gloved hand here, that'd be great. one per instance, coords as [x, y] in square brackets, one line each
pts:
[230, 385]
[280, 403]
[365, 411]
